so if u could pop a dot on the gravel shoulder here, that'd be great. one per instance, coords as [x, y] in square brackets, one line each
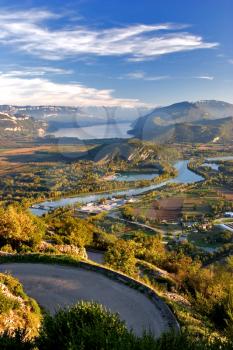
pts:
[55, 286]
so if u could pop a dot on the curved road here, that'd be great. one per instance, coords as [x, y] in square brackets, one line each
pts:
[55, 286]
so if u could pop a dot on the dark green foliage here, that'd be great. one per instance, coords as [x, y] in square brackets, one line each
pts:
[15, 342]
[84, 326]
[89, 326]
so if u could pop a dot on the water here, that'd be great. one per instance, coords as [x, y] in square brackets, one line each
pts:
[184, 176]
[213, 165]
[104, 131]
[220, 158]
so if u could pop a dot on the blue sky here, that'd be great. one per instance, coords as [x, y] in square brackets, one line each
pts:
[108, 52]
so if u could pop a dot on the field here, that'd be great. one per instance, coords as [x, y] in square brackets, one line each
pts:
[168, 209]
[172, 209]
[227, 194]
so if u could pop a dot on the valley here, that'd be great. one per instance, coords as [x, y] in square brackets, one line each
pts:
[152, 211]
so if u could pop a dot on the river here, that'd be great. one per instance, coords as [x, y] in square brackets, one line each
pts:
[184, 176]
[211, 162]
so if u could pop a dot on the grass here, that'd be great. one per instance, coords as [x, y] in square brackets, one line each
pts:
[7, 303]
[40, 258]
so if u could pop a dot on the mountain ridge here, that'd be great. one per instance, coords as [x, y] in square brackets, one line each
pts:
[162, 121]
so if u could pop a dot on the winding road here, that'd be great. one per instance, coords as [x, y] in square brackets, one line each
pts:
[55, 286]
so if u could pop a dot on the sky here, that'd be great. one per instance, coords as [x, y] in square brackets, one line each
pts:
[129, 53]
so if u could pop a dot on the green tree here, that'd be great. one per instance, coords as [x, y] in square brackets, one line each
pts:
[121, 256]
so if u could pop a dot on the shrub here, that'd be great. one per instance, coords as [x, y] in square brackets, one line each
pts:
[84, 326]
[15, 341]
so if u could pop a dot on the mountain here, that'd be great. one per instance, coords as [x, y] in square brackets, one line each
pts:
[59, 117]
[18, 125]
[132, 151]
[196, 120]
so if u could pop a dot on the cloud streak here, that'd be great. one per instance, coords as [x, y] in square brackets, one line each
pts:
[28, 32]
[36, 72]
[143, 76]
[38, 90]
[205, 77]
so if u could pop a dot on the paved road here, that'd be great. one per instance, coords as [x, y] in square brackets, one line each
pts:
[54, 285]
[98, 257]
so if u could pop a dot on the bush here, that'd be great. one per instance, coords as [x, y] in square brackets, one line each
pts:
[15, 341]
[84, 326]
[89, 326]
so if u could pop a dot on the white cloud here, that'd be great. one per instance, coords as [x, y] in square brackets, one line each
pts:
[143, 76]
[230, 61]
[25, 31]
[205, 77]
[35, 71]
[38, 91]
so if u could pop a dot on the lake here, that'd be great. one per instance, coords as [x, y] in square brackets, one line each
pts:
[104, 131]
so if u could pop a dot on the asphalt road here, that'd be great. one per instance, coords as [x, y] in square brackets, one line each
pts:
[55, 286]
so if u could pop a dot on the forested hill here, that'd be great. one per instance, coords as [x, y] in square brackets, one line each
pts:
[203, 121]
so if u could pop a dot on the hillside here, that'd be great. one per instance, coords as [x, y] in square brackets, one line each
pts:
[132, 151]
[17, 310]
[219, 130]
[18, 125]
[203, 121]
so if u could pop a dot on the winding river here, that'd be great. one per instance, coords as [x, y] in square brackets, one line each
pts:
[184, 176]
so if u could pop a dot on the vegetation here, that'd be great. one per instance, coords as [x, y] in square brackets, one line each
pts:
[121, 256]
[19, 230]
[18, 312]
[177, 257]
[89, 326]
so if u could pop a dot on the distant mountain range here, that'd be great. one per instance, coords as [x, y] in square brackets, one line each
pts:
[58, 117]
[201, 122]
[195, 122]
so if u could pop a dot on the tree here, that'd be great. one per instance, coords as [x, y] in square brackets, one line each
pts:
[121, 256]
[151, 249]
[18, 227]
[70, 230]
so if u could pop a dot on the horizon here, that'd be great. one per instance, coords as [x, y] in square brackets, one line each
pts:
[129, 107]
[87, 54]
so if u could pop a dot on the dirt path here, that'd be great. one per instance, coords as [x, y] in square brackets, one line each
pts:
[54, 285]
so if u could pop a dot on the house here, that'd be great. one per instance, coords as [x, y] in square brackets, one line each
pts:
[228, 214]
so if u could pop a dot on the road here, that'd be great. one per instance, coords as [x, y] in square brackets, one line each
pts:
[96, 256]
[55, 286]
